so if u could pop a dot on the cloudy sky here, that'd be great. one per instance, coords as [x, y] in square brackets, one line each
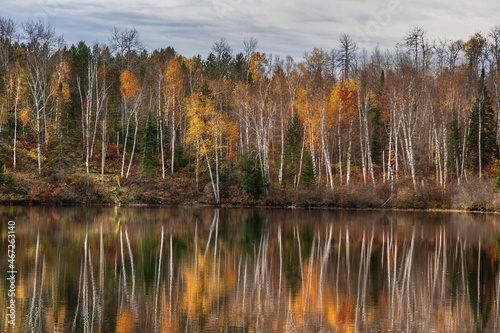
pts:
[282, 27]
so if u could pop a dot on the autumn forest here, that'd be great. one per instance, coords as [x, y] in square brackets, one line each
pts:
[416, 126]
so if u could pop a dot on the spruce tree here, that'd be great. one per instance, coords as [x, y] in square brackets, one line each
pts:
[293, 147]
[252, 181]
[455, 146]
[378, 137]
[307, 178]
[149, 149]
[62, 150]
[481, 140]
[181, 160]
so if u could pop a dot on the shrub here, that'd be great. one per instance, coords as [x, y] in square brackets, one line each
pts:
[475, 196]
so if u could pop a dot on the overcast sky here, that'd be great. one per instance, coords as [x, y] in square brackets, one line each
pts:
[282, 27]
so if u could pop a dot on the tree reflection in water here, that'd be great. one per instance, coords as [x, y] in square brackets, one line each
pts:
[253, 270]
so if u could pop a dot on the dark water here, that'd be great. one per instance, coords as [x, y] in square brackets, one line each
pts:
[250, 270]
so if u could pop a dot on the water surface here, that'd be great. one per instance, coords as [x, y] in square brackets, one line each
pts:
[251, 270]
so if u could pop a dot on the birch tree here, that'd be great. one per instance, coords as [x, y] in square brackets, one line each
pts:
[344, 99]
[92, 99]
[7, 86]
[262, 108]
[481, 140]
[40, 42]
[317, 82]
[131, 99]
[204, 134]
[174, 90]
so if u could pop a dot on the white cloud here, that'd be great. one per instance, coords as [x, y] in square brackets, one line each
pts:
[282, 28]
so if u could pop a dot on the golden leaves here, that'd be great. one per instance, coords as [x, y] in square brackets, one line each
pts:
[173, 77]
[206, 127]
[257, 64]
[24, 116]
[129, 85]
[59, 81]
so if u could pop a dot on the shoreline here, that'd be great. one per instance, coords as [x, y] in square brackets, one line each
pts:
[182, 191]
[243, 206]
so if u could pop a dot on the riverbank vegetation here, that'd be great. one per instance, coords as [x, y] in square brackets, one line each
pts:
[107, 123]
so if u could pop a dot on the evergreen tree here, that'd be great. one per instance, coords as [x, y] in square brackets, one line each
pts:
[252, 180]
[149, 149]
[181, 159]
[455, 145]
[378, 137]
[62, 153]
[307, 178]
[293, 148]
[481, 140]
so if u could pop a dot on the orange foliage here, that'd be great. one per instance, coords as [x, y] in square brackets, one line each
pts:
[129, 85]
[344, 98]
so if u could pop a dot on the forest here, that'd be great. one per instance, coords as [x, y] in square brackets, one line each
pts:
[416, 126]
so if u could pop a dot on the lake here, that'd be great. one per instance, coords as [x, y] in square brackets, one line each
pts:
[131, 269]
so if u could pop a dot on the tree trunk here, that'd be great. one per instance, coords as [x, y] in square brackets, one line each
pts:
[349, 151]
[297, 178]
[103, 145]
[340, 152]
[16, 103]
[282, 152]
[160, 126]
[172, 143]
[127, 121]
[326, 155]
[134, 144]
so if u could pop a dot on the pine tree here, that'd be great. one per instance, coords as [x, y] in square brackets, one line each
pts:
[149, 149]
[252, 180]
[481, 140]
[62, 149]
[293, 147]
[378, 138]
[455, 146]
[307, 178]
[181, 159]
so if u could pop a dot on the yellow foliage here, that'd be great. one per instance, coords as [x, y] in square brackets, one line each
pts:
[24, 116]
[206, 127]
[66, 93]
[173, 77]
[256, 65]
[232, 135]
[300, 102]
[129, 85]
[60, 86]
